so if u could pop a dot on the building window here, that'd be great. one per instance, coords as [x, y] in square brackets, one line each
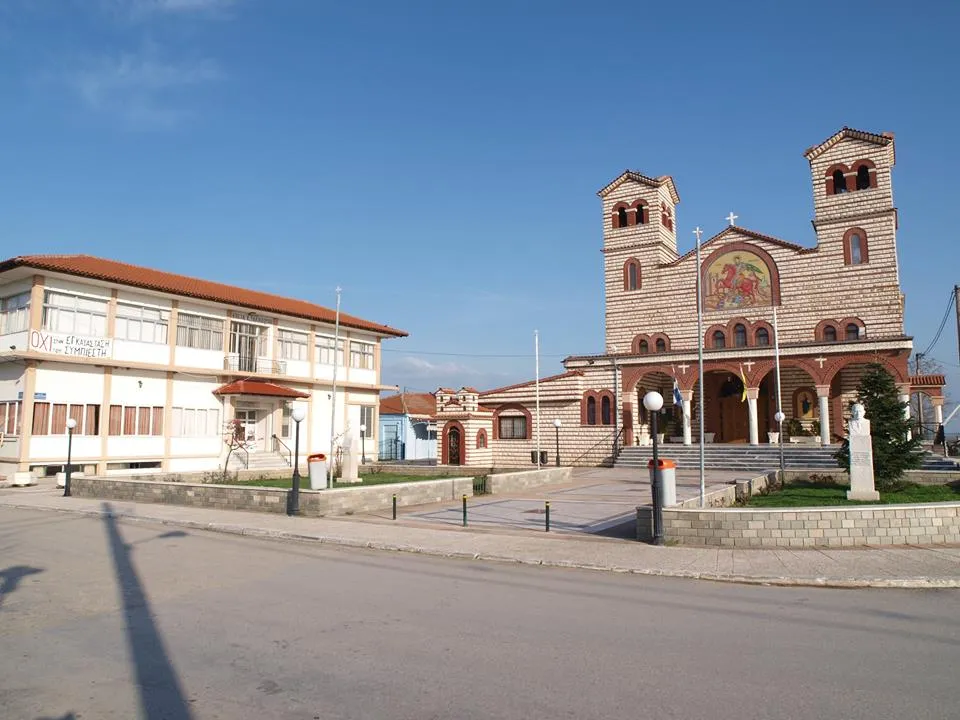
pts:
[855, 251]
[248, 341]
[324, 347]
[739, 335]
[605, 414]
[366, 419]
[52, 419]
[863, 178]
[512, 428]
[719, 339]
[644, 347]
[10, 418]
[128, 420]
[361, 355]
[481, 439]
[198, 332]
[641, 216]
[591, 411]
[763, 336]
[14, 313]
[632, 282]
[293, 345]
[195, 422]
[621, 218]
[661, 345]
[853, 331]
[839, 182]
[74, 314]
[829, 333]
[141, 324]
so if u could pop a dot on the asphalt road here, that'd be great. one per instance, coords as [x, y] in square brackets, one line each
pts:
[104, 619]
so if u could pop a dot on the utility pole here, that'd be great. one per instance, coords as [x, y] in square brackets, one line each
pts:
[919, 371]
[956, 306]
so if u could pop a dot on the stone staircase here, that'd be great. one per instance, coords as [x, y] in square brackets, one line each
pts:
[752, 458]
[258, 461]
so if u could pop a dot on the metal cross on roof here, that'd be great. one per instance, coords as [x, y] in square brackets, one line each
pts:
[731, 218]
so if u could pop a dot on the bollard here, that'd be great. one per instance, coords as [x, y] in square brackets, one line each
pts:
[464, 510]
[548, 515]
[394, 506]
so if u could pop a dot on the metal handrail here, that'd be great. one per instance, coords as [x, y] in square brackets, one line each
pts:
[605, 440]
[277, 444]
[246, 455]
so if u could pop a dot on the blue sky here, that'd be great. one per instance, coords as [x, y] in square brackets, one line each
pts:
[439, 159]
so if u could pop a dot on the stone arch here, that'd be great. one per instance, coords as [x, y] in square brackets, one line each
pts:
[619, 217]
[830, 183]
[871, 170]
[456, 426]
[641, 213]
[512, 406]
[821, 326]
[708, 339]
[842, 329]
[635, 345]
[481, 439]
[764, 256]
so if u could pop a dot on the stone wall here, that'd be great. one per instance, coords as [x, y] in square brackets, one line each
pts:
[512, 482]
[928, 524]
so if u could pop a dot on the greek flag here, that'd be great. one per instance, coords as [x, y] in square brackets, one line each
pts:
[677, 398]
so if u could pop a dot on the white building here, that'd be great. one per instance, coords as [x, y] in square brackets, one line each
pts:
[155, 367]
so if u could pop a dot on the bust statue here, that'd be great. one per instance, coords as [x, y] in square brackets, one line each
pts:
[859, 425]
[857, 411]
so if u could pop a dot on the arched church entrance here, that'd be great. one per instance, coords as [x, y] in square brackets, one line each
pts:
[725, 416]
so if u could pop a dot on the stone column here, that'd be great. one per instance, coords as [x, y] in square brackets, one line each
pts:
[937, 410]
[905, 398]
[823, 396]
[687, 417]
[752, 394]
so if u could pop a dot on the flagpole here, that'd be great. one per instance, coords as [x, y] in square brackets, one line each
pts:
[333, 396]
[536, 350]
[776, 356]
[698, 232]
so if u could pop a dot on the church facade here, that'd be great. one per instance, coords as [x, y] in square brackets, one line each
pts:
[832, 309]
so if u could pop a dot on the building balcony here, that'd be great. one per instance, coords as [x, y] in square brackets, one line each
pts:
[264, 366]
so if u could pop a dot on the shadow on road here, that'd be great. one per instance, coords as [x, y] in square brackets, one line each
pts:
[10, 578]
[161, 696]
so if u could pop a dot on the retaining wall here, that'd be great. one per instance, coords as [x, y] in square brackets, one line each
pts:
[515, 481]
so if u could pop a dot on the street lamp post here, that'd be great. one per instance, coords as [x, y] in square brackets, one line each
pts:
[71, 424]
[363, 444]
[556, 427]
[293, 507]
[653, 401]
[780, 417]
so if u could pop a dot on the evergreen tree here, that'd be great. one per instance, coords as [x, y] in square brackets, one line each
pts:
[892, 451]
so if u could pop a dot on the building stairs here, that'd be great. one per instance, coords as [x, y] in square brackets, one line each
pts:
[752, 458]
[258, 461]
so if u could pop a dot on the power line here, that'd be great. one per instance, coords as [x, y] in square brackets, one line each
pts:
[943, 324]
[472, 355]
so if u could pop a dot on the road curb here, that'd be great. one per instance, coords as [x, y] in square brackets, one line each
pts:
[916, 583]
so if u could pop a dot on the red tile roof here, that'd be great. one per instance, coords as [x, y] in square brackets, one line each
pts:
[644, 180]
[847, 132]
[140, 277]
[569, 373]
[749, 233]
[417, 404]
[928, 380]
[257, 387]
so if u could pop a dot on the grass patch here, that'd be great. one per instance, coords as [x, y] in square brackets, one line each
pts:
[806, 493]
[371, 479]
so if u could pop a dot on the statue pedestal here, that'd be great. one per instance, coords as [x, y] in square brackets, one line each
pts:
[351, 458]
[861, 462]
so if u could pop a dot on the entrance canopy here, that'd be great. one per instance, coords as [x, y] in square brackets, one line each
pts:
[257, 387]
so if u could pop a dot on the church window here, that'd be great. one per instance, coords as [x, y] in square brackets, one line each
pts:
[719, 339]
[632, 277]
[641, 219]
[481, 439]
[621, 218]
[739, 335]
[591, 411]
[853, 331]
[829, 333]
[661, 345]
[763, 336]
[839, 182]
[855, 250]
[513, 428]
[644, 347]
[605, 411]
[863, 178]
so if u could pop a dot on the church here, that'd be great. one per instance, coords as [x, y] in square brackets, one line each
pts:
[831, 309]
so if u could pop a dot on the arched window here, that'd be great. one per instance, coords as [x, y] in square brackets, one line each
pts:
[739, 335]
[763, 336]
[719, 339]
[481, 439]
[641, 217]
[605, 411]
[661, 345]
[621, 217]
[839, 182]
[863, 178]
[591, 411]
[856, 249]
[829, 333]
[853, 331]
[632, 283]
[644, 347]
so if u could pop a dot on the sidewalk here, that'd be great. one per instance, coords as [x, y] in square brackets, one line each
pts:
[875, 567]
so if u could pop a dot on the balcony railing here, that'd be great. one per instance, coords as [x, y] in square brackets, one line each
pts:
[255, 365]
